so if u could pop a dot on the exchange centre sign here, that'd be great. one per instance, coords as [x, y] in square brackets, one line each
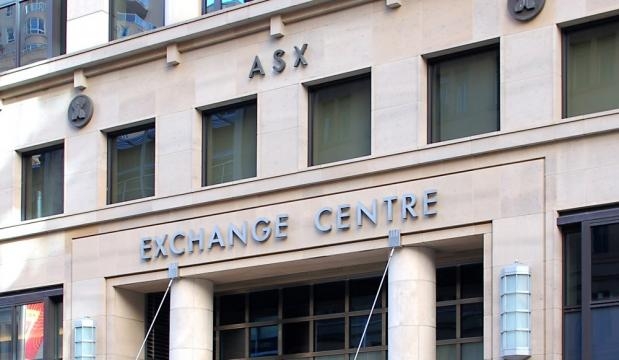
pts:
[341, 217]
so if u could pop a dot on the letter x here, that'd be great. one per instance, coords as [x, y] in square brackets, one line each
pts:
[300, 58]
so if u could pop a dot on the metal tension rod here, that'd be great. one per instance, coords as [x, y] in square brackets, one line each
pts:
[172, 274]
[394, 241]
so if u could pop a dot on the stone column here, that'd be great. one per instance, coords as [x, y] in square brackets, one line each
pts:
[412, 304]
[191, 319]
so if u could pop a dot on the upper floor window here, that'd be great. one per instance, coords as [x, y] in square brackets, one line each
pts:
[130, 17]
[464, 94]
[340, 120]
[31, 325]
[229, 143]
[214, 5]
[590, 284]
[591, 68]
[131, 164]
[43, 182]
[41, 25]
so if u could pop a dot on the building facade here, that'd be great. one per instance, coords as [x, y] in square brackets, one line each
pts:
[247, 170]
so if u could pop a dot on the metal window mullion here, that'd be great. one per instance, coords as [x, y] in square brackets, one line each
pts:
[346, 315]
[247, 328]
[311, 321]
[586, 289]
[280, 326]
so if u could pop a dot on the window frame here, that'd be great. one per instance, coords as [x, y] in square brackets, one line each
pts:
[565, 33]
[110, 136]
[51, 298]
[205, 112]
[584, 221]
[27, 154]
[451, 54]
[348, 349]
[311, 89]
[458, 341]
[218, 6]
[112, 25]
[54, 28]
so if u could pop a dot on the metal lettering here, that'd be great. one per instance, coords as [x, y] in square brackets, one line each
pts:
[280, 64]
[266, 230]
[173, 248]
[300, 58]
[317, 224]
[193, 238]
[144, 248]
[388, 200]
[408, 204]
[429, 199]
[281, 222]
[341, 216]
[256, 68]
[160, 246]
[234, 232]
[369, 214]
[216, 238]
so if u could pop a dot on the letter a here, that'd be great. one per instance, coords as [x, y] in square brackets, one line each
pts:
[256, 68]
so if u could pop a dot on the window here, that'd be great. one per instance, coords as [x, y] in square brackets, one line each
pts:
[459, 312]
[135, 16]
[590, 285]
[340, 120]
[464, 94]
[591, 68]
[43, 182]
[303, 321]
[35, 25]
[157, 344]
[35, 31]
[31, 325]
[229, 143]
[214, 5]
[131, 161]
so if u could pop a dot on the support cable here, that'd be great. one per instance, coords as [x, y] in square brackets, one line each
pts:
[154, 319]
[367, 323]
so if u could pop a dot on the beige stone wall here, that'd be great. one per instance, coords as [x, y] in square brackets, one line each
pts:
[501, 189]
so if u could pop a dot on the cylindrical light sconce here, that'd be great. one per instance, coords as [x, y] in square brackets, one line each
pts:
[84, 341]
[515, 294]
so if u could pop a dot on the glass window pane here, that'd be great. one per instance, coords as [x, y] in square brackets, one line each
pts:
[43, 183]
[41, 31]
[472, 320]
[232, 309]
[132, 17]
[230, 144]
[330, 357]
[446, 352]
[473, 351]
[263, 305]
[465, 95]
[229, 3]
[340, 120]
[472, 281]
[295, 337]
[329, 334]
[445, 322]
[376, 355]
[373, 335]
[604, 333]
[6, 333]
[572, 267]
[263, 341]
[296, 301]
[591, 72]
[132, 165]
[30, 331]
[446, 279]
[605, 262]
[362, 293]
[8, 43]
[571, 336]
[232, 344]
[329, 298]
